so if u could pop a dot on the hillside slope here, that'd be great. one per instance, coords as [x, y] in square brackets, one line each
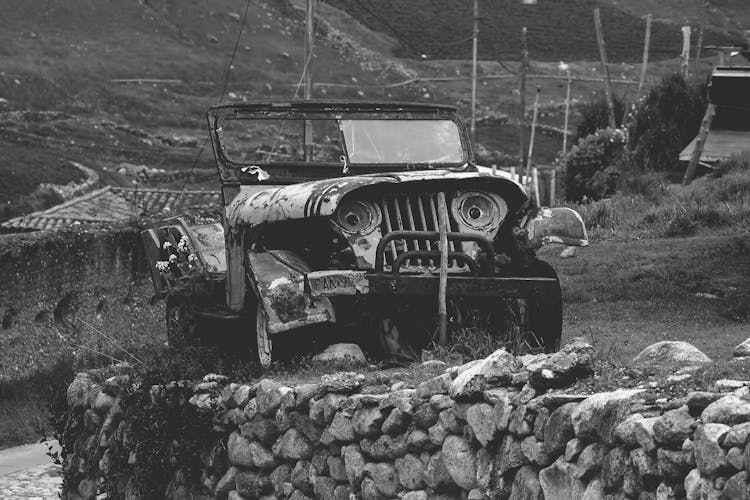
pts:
[558, 29]
[64, 55]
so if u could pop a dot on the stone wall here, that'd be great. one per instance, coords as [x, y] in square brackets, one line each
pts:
[494, 428]
[58, 287]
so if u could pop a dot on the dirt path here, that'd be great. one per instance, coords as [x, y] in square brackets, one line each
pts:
[26, 472]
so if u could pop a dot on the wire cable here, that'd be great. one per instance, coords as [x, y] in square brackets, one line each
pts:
[221, 97]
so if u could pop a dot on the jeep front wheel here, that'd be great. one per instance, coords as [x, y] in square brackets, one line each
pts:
[180, 322]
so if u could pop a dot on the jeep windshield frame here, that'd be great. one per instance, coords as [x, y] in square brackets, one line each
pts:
[346, 115]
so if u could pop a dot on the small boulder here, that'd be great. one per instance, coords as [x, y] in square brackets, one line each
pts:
[481, 419]
[738, 435]
[674, 426]
[396, 423]
[460, 461]
[341, 428]
[342, 354]
[385, 477]
[410, 471]
[569, 252]
[559, 429]
[367, 421]
[354, 463]
[436, 474]
[495, 370]
[526, 485]
[558, 481]
[293, 445]
[742, 349]
[269, 396]
[598, 415]
[342, 382]
[575, 360]
[709, 455]
[729, 410]
[670, 352]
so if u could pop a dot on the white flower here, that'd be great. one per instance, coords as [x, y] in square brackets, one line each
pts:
[191, 257]
[166, 245]
[162, 265]
[182, 246]
[172, 258]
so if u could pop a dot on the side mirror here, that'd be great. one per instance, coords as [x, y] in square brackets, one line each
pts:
[557, 225]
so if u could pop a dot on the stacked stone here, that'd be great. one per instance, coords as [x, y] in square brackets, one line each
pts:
[93, 429]
[493, 428]
[464, 433]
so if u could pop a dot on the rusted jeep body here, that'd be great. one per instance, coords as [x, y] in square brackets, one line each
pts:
[336, 213]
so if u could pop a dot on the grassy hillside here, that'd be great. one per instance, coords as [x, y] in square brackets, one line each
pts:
[64, 55]
[558, 29]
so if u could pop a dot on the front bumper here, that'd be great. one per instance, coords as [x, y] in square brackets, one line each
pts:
[342, 283]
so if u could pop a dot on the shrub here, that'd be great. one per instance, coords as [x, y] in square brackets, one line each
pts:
[735, 163]
[665, 122]
[651, 185]
[591, 166]
[595, 115]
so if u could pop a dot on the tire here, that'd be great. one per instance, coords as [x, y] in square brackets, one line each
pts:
[545, 315]
[180, 322]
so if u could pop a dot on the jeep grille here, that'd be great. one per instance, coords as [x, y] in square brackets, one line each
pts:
[416, 212]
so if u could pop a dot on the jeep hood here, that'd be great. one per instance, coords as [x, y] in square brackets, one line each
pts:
[256, 205]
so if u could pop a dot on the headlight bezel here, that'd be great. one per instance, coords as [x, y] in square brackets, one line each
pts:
[341, 221]
[483, 221]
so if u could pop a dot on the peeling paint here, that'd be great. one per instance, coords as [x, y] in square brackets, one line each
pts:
[321, 198]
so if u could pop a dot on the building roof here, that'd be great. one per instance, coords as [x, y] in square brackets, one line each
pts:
[720, 145]
[112, 204]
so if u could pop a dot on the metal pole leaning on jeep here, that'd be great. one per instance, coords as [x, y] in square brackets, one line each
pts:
[309, 40]
[474, 72]
[443, 283]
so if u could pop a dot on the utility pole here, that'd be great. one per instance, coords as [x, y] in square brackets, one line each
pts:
[522, 90]
[685, 66]
[474, 71]
[605, 67]
[309, 39]
[646, 44]
[567, 115]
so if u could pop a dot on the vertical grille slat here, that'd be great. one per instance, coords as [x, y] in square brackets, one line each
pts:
[388, 229]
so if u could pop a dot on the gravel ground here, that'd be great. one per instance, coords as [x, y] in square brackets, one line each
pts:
[42, 482]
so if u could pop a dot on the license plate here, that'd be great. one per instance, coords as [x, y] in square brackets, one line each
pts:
[331, 283]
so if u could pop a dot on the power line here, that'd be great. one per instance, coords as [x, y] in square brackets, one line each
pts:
[221, 97]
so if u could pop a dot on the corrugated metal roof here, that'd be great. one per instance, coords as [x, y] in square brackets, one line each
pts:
[113, 204]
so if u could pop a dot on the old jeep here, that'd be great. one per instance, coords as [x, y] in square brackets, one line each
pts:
[368, 217]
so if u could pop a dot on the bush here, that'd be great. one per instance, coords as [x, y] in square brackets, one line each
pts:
[595, 115]
[592, 165]
[735, 163]
[665, 122]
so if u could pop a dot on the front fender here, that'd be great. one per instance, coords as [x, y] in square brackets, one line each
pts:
[278, 279]
[557, 225]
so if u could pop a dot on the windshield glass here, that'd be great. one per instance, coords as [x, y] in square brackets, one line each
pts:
[402, 141]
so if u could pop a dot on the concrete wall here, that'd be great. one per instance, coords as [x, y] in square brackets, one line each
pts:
[52, 284]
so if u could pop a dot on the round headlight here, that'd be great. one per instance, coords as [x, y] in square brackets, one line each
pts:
[480, 211]
[357, 216]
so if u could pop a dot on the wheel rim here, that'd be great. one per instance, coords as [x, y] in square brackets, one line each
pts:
[262, 339]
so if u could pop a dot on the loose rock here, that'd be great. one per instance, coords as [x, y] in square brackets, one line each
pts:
[670, 352]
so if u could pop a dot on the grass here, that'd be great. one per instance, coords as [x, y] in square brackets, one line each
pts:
[652, 208]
